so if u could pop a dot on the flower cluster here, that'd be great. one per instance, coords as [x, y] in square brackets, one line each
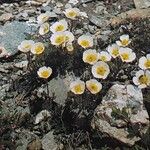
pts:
[78, 86]
[142, 77]
[62, 37]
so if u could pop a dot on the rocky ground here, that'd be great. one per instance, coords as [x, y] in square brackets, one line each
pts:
[32, 120]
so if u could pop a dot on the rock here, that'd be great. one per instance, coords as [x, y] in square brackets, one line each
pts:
[4, 89]
[24, 138]
[58, 89]
[44, 114]
[12, 34]
[35, 145]
[49, 142]
[128, 101]
[142, 3]
[6, 17]
[97, 20]
[41, 1]
[134, 14]
[22, 64]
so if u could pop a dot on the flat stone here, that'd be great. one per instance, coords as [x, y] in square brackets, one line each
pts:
[49, 142]
[142, 3]
[6, 17]
[121, 97]
[12, 34]
[134, 14]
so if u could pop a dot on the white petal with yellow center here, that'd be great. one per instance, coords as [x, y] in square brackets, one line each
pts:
[58, 38]
[90, 56]
[69, 36]
[93, 86]
[144, 62]
[44, 72]
[77, 87]
[142, 79]
[44, 28]
[59, 26]
[113, 50]
[43, 18]
[104, 56]
[26, 46]
[100, 70]
[72, 13]
[85, 41]
[124, 41]
[37, 48]
[126, 54]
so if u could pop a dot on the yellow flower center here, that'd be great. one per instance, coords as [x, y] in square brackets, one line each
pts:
[59, 28]
[93, 87]
[125, 56]
[91, 58]
[78, 89]
[143, 79]
[45, 74]
[27, 46]
[39, 49]
[72, 14]
[115, 52]
[147, 63]
[85, 43]
[101, 70]
[103, 58]
[60, 39]
[125, 42]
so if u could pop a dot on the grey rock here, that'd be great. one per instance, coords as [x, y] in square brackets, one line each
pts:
[49, 142]
[12, 34]
[24, 138]
[47, 8]
[22, 64]
[100, 9]
[142, 3]
[121, 96]
[79, 32]
[6, 17]
[98, 21]
[35, 145]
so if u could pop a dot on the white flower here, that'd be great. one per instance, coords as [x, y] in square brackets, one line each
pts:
[58, 38]
[77, 87]
[113, 50]
[44, 72]
[85, 41]
[25, 46]
[144, 62]
[104, 56]
[100, 70]
[59, 26]
[93, 86]
[69, 36]
[44, 28]
[43, 18]
[126, 54]
[37, 48]
[124, 41]
[72, 13]
[90, 56]
[142, 79]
